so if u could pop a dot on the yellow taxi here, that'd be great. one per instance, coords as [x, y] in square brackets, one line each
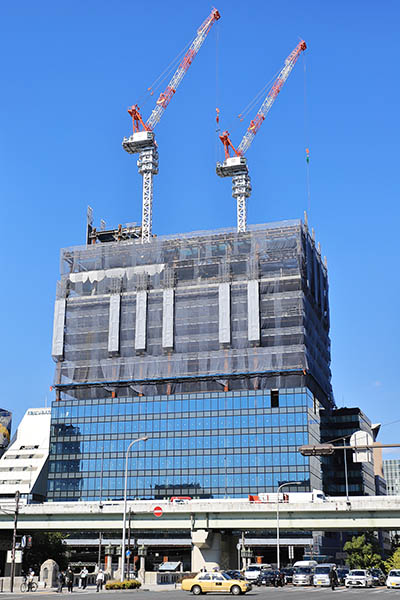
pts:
[215, 582]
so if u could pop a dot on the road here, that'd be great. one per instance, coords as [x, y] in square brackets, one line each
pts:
[269, 593]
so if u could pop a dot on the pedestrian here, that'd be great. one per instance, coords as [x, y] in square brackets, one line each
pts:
[61, 581]
[30, 579]
[334, 578]
[99, 580]
[83, 577]
[69, 579]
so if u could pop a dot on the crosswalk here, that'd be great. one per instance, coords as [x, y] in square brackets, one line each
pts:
[339, 590]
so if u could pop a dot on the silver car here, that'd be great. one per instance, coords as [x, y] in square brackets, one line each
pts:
[359, 578]
[303, 576]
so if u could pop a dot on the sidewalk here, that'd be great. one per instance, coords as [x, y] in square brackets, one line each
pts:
[166, 587]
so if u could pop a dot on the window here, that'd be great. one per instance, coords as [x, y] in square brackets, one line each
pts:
[274, 398]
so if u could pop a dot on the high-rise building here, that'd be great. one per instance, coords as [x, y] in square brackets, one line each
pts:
[338, 425]
[214, 344]
[23, 466]
[391, 471]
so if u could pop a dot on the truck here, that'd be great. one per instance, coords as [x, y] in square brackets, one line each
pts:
[292, 497]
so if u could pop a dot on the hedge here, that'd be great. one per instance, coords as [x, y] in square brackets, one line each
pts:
[132, 584]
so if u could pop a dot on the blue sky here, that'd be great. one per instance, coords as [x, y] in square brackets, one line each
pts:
[71, 69]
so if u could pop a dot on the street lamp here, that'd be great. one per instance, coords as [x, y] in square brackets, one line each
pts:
[141, 439]
[278, 561]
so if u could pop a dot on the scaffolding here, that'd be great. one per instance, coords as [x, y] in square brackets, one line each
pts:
[232, 309]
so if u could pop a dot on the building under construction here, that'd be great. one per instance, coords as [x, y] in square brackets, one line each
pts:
[215, 344]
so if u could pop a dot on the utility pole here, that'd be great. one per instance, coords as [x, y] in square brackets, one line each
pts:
[129, 545]
[14, 541]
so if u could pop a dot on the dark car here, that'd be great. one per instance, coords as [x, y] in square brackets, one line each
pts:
[378, 577]
[288, 574]
[235, 574]
[341, 574]
[272, 577]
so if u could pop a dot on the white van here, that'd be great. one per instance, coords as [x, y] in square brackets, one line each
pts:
[305, 563]
[303, 573]
[322, 574]
[253, 570]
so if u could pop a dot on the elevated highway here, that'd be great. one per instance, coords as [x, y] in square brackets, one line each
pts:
[361, 513]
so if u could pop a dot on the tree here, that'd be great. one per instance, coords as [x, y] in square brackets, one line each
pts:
[363, 552]
[393, 562]
[44, 546]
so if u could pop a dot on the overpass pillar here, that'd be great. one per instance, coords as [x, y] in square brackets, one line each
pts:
[212, 548]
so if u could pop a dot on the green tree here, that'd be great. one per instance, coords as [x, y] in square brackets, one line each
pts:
[44, 546]
[393, 562]
[363, 552]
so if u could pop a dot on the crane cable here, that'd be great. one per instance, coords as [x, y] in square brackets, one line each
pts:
[306, 139]
[257, 97]
[217, 111]
[162, 77]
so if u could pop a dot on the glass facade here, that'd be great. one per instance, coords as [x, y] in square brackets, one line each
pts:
[201, 445]
[391, 471]
[361, 478]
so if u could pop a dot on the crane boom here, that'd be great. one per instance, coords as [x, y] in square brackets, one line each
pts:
[165, 97]
[142, 141]
[236, 166]
[265, 107]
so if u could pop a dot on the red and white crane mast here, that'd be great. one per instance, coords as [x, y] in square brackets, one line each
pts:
[236, 166]
[142, 140]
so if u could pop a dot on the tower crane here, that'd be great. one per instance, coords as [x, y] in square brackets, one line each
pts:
[236, 166]
[142, 141]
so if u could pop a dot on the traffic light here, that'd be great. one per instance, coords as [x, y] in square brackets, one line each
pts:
[28, 542]
[317, 450]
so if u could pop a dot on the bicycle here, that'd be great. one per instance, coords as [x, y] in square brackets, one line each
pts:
[28, 587]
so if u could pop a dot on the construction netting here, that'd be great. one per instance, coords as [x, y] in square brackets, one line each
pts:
[292, 303]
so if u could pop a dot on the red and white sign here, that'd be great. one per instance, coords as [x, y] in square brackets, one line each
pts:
[158, 511]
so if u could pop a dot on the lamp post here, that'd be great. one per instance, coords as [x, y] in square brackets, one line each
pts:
[141, 439]
[346, 478]
[278, 561]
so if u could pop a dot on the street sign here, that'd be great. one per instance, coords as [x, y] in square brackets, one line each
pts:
[18, 556]
[238, 546]
[158, 511]
[128, 553]
[360, 438]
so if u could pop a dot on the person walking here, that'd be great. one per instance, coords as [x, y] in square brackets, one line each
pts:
[69, 579]
[99, 580]
[334, 578]
[61, 581]
[83, 577]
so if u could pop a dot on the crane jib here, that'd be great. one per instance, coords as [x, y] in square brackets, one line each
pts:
[184, 65]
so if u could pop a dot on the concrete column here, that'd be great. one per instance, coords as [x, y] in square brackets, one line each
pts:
[228, 551]
[142, 571]
[206, 550]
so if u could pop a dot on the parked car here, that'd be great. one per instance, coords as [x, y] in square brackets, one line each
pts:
[288, 574]
[341, 573]
[323, 574]
[205, 582]
[378, 577]
[254, 570]
[393, 579]
[271, 577]
[359, 578]
[234, 574]
[303, 576]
